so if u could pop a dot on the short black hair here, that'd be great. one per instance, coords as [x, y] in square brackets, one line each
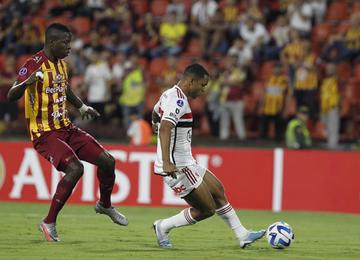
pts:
[52, 31]
[195, 70]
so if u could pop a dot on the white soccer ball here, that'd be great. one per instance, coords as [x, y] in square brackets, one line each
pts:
[279, 235]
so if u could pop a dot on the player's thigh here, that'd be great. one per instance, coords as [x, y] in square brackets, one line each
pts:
[54, 149]
[85, 146]
[201, 198]
[215, 187]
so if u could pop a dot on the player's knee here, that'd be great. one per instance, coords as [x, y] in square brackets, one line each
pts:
[76, 169]
[107, 163]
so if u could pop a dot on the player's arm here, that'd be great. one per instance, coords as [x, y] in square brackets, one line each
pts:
[164, 136]
[155, 121]
[85, 111]
[18, 88]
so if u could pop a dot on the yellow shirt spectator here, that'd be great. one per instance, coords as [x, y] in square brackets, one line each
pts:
[306, 75]
[133, 89]
[172, 33]
[352, 38]
[329, 94]
[275, 92]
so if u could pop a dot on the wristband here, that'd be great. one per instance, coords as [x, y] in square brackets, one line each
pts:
[83, 108]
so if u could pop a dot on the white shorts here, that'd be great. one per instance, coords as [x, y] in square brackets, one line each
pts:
[188, 179]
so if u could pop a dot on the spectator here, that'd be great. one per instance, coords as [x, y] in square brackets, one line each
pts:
[169, 75]
[274, 102]
[306, 80]
[300, 13]
[292, 54]
[97, 82]
[202, 12]
[297, 134]
[242, 51]
[233, 81]
[231, 16]
[8, 110]
[318, 10]
[281, 32]
[254, 33]
[329, 105]
[132, 96]
[344, 47]
[171, 36]
[177, 7]
[139, 131]
[213, 99]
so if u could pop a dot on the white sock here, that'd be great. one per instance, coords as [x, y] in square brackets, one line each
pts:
[228, 214]
[184, 218]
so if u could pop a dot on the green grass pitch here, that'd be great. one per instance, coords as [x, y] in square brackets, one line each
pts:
[86, 235]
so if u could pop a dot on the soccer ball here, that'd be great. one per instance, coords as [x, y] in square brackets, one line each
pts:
[279, 235]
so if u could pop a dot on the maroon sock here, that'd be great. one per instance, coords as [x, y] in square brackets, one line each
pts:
[106, 181]
[63, 192]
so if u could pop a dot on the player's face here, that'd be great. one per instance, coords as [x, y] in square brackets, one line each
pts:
[198, 86]
[61, 48]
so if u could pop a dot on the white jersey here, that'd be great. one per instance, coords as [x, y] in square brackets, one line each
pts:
[174, 107]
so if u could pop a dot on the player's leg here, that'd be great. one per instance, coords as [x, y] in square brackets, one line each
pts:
[88, 149]
[227, 213]
[60, 154]
[194, 191]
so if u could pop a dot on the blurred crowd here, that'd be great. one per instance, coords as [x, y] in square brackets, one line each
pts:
[266, 59]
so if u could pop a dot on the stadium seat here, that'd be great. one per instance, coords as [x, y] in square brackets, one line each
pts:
[157, 66]
[2, 61]
[20, 61]
[197, 105]
[150, 100]
[158, 7]
[337, 11]
[355, 7]
[58, 19]
[321, 32]
[184, 61]
[356, 71]
[139, 7]
[266, 70]
[194, 48]
[344, 71]
[188, 5]
[81, 25]
[343, 27]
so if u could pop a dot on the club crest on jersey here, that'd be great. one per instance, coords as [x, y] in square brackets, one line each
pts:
[180, 102]
[22, 71]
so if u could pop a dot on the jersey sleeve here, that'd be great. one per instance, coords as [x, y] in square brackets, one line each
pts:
[27, 69]
[173, 108]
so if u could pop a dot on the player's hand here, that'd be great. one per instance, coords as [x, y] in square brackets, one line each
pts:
[170, 169]
[155, 127]
[35, 76]
[90, 113]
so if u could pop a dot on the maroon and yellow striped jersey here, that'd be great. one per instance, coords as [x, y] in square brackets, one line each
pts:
[45, 100]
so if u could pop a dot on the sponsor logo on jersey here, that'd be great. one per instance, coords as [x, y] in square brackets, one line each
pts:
[22, 71]
[2, 172]
[180, 189]
[37, 59]
[49, 90]
[180, 102]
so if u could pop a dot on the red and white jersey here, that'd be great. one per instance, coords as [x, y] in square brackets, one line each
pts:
[174, 107]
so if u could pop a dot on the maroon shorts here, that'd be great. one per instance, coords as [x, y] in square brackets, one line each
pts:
[60, 147]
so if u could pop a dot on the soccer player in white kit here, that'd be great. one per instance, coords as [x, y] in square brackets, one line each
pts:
[199, 187]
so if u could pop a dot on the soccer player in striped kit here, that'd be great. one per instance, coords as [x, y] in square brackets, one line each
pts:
[44, 81]
[195, 184]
